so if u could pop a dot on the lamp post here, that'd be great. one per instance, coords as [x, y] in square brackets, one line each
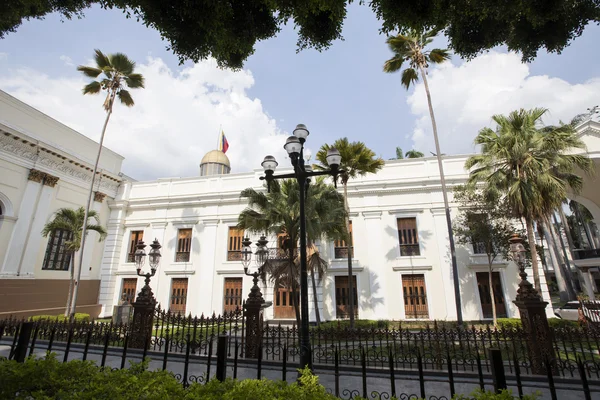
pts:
[143, 308]
[255, 302]
[294, 145]
[533, 314]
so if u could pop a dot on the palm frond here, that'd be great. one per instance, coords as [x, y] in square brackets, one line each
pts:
[102, 60]
[90, 72]
[121, 63]
[134, 81]
[93, 87]
[438, 56]
[409, 76]
[125, 98]
[393, 65]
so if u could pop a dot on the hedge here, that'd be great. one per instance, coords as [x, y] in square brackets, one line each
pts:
[79, 317]
[47, 378]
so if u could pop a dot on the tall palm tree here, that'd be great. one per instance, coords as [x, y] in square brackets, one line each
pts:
[73, 221]
[118, 74]
[411, 48]
[530, 166]
[278, 212]
[414, 154]
[357, 160]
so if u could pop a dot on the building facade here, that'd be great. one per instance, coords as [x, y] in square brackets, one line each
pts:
[45, 166]
[401, 260]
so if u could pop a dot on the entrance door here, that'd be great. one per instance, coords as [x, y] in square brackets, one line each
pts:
[342, 297]
[284, 306]
[415, 296]
[179, 288]
[232, 294]
[485, 297]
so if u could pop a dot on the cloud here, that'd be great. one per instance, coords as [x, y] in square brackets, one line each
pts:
[67, 60]
[465, 97]
[175, 119]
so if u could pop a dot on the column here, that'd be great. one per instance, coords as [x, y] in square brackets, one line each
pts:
[158, 233]
[32, 245]
[111, 257]
[22, 227]
[588, 286]
[444, 268]
[376, 281]
[92, 238]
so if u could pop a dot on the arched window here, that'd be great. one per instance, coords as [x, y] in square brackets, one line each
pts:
[57, 257]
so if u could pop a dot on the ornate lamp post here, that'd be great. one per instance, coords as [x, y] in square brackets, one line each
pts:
[294, 146]
[143, 308]
[533, 313]
[255, 303]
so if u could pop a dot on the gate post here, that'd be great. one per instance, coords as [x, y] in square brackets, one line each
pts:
[254, 319]
[143, 315]
[535, 323]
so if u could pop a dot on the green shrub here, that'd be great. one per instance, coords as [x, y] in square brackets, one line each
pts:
[562, 323]
[510, 323]
[79, 317]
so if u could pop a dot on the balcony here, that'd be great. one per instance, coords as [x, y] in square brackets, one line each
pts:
[585, 254]
[342, 252]
[182, 256]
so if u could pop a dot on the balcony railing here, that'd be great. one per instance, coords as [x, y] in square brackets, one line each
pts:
[130, 257]
[182, 256]
[584, 254]
[234, 255]
[409, 250]
[342, 252]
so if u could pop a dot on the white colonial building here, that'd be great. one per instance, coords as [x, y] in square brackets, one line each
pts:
[401, 260]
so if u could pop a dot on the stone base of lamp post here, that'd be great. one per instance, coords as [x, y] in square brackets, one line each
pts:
[143, 316]
[535, 324]
[254, 322]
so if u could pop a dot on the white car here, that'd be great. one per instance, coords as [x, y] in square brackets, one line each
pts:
[570, 311]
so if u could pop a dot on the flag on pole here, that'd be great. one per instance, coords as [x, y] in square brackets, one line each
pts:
[223, 143]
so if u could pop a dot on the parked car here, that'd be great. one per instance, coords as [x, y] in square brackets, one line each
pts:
[570, 311]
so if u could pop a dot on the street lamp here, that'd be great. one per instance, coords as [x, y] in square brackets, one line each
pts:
[517, 249]
[153, 260]
[294, 145]
[261, 256]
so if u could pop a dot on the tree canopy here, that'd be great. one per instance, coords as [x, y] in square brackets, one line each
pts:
[228, 31]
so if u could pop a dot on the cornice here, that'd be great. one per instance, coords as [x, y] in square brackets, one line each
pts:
[30, 154]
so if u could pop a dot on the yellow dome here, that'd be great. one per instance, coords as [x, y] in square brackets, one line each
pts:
[217, 157]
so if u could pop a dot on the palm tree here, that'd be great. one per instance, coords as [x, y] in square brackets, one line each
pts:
[117, 72]
[414, 154]
[410, 48]
[530, 166]
[72, 221]
[278, 212]
[399, 154]
[357, 160]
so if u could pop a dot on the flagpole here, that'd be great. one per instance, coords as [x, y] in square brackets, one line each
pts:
[219, 136]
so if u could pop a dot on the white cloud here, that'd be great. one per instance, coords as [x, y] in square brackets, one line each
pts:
[67, 60]
[174, 122]
[465, 97]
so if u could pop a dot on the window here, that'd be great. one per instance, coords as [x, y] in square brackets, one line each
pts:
[415, 296]
[483, 284]
[408, 237]
[179, 288]
[340, 247]
[232, 294]
[234, 244]
[184, 243]
[128, 290]
[134, 238]
[57, 257]
[342, 298]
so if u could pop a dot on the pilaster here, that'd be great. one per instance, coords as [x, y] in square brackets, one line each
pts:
[377, 286]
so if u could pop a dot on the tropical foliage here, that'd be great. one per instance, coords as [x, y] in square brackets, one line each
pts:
[531, 167]
[116, 72]
[357, 160]
[414, 154]
[73, 221]
[278, 212]
[229, 31]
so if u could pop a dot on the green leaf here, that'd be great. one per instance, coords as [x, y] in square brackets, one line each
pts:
[92, 88]
[125, 98]
[90, 72]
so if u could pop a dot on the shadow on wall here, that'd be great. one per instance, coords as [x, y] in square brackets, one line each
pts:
[469, 298]
[394, 252]
[366, 298]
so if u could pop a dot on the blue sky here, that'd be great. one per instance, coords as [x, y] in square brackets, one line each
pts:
[336, 93]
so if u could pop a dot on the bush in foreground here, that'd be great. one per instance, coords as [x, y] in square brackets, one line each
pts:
[79, 317]
[47, 378]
